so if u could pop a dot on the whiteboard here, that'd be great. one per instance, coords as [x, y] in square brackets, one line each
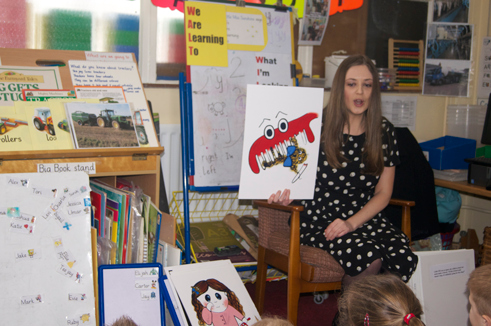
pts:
[219, 98]
[46, 276]
[131, 291]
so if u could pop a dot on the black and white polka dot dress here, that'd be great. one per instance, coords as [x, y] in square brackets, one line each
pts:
[340, 193]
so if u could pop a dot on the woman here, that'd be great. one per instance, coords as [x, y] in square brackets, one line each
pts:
[355, 178]
[379, 300]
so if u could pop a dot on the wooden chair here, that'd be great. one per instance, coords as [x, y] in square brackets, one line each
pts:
[309, 269]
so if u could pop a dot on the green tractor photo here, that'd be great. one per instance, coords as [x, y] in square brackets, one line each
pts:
[140, 129]
[107, 118]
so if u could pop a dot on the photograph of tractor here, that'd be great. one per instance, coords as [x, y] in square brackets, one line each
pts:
[107, 118]
[436, 77]
[43, 120]
[84, 119]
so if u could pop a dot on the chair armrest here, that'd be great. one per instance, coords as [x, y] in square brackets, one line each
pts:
[406, 214]
[289, 208]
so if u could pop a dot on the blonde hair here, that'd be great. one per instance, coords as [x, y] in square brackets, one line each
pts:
[386, 300]
[479, 285]
[124, 321]
[273, 321]
[336, 117]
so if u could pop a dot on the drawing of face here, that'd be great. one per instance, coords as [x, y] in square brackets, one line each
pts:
[214, 300]
[278, 139]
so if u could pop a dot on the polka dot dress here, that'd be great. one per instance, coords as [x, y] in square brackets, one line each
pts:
[341, 193]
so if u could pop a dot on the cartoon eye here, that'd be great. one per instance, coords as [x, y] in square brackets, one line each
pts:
[283, 125]
[218, 296]
[269, 132]
[207, 298]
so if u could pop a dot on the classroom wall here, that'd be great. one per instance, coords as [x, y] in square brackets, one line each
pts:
[430, 112]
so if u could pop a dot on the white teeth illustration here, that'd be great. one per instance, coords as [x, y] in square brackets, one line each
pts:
[269, 155]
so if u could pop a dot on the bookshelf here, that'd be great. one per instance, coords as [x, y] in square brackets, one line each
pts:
[139, 165]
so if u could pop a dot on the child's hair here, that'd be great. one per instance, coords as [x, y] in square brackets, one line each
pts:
[202, 286]
[479, 284]
[124, 321]
[273, 321]
[382, 300]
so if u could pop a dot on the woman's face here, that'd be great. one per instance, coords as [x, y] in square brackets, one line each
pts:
[214, 300]
[357, 89]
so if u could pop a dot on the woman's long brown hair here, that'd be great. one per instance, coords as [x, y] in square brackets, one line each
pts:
[336, 117]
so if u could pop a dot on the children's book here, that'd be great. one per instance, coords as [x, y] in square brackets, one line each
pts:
[212, 293]
[14, 131]
[154, 218]
[98, 199]
[206, 236]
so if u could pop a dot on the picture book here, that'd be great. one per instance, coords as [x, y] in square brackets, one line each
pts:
[101, 125]
[114, 195]
[44, 125]
[212, 293]
[98, 200]
[14, 132]
[155, 217]
[40, 95]
[246, 231]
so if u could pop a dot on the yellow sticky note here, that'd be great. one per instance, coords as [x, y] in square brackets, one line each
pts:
[206, 34]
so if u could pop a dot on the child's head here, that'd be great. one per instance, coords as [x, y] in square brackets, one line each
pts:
[479, 291]
[273, 321]
[124, 321]
[381, 300]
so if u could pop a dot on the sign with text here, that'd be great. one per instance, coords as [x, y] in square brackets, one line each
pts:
[206, 34]
[87, 167]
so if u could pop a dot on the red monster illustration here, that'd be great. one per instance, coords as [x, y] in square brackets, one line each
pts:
[280, 144]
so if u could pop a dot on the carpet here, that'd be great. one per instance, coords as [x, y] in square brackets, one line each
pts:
[309, 313]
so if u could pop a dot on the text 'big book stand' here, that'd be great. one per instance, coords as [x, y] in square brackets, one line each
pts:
[212, 156]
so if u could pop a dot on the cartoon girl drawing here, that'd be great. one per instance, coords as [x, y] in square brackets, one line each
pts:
[215, 304]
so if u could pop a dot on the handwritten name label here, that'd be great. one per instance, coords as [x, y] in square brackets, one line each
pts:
[84, 319]
[146, 272]
[42, 191]
[148, 295]
[29, 300]
[73, 192]
[87, 167]
[20, 227]
[78, 207]
[17, 182]
[28, 254]
[146, 284]
[77, 296]
[10, 211]
[69, 273]
[65, 256]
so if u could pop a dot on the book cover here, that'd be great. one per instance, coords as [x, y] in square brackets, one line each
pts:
[154, 217]
[14, 132]
[98, 200]
[101, 125]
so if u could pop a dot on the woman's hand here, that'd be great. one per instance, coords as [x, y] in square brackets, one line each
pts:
[282, 198]
[337, 229]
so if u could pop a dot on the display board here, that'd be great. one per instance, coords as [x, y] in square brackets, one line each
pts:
[46, 276]
[131, 292]
[219, 95]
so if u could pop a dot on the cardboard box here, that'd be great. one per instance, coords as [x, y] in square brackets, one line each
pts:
[449, 152]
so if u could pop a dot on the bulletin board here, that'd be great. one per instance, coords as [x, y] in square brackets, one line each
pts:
[217, 109]
[46, 276]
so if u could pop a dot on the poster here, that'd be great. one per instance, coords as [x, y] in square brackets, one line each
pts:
[448, 59]
[314, 22]
[281, 141]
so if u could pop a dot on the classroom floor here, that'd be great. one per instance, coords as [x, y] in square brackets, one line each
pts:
[309, 313]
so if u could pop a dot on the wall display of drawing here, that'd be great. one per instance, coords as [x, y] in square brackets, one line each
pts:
[448, 59]
[451, 11]
[46, 257]
[281, 141]
[314, 22]
[219, 96]
[213, 294]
